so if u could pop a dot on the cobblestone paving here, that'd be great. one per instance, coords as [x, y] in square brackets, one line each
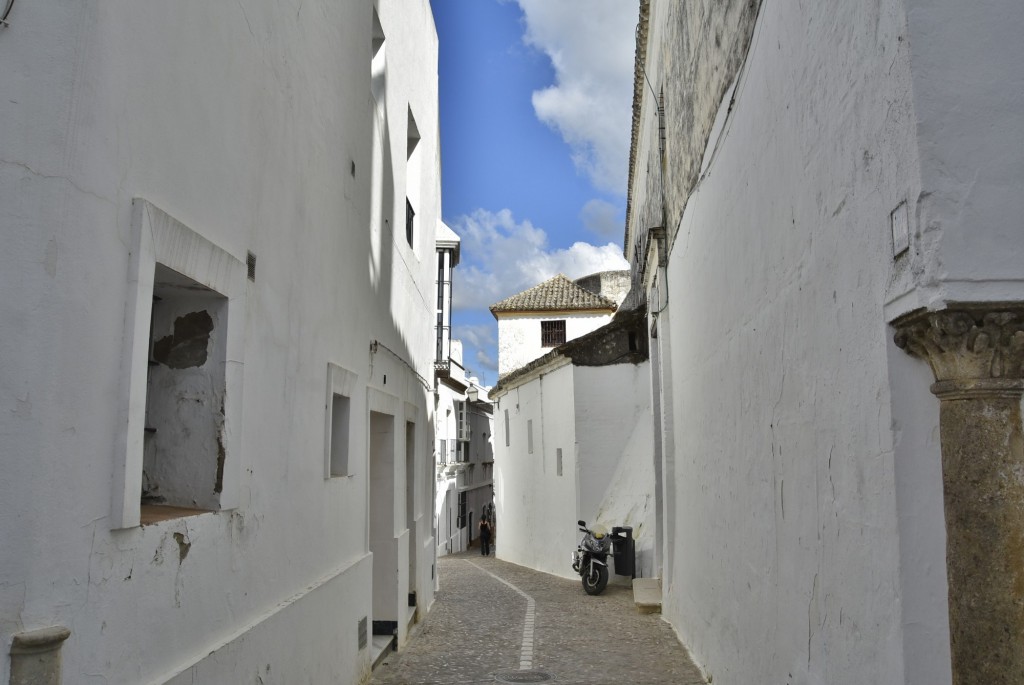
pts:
[475, 631]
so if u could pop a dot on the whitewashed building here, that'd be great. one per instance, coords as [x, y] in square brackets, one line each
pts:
[533, 322]
[464, 424]
[572, 420]
[574, 442]
[217, 334]
[465, 460]
[815, 191]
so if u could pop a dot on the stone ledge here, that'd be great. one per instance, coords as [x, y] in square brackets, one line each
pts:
[42, 640]
[647, 595]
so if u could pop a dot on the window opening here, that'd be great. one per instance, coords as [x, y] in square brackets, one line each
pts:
[410, 218]
[462, 420]
[444, 304]
[558, 458]
[506, 429]
[412, 179]
[462, 510]
[552, 333]
[529, 436]
[339, 418]
[183, 445]
[377, 42]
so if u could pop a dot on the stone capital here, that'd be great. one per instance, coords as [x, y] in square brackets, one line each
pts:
[968, 344]
[39, 641]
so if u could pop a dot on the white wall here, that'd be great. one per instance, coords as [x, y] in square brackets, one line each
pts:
[968, 91]
[519, 335]
[536, 507]
[600, 418]
[616, 452]
[783, 561]
[245, 124]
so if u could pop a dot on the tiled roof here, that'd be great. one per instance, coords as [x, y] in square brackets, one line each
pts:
[554, 294]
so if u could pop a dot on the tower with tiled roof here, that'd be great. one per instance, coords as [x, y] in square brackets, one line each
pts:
[535, 321]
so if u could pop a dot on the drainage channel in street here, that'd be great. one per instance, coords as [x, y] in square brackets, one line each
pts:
[525, 674]
[524, 677]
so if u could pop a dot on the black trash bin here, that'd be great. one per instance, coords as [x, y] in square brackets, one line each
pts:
[624, 551]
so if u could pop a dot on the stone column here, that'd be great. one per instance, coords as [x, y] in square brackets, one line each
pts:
[977, 355]
[35, 656]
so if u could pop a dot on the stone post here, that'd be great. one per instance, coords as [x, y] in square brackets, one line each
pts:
[35, 656]
[977, 355]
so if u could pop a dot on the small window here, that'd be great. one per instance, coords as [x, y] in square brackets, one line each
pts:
[340, 407]
[181, 417]
[442, 452]
[506, 429]
[410, 222]
[377, 39]
[341, 384]
[529, 436]
[462, 510]
[183, 449]
[413, 179]
[558, 458]
[552, 333]
[462, 419]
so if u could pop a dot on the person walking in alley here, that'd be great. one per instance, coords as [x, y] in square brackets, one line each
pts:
[485, 537]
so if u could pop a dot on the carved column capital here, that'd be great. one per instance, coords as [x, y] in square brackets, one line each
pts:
[968, 344]
[976, 352]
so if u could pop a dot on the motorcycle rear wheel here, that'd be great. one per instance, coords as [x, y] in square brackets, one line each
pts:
[595, 579]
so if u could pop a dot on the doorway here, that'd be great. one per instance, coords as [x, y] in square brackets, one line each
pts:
[382, 524]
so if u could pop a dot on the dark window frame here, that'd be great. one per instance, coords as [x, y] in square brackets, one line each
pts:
[552, 333]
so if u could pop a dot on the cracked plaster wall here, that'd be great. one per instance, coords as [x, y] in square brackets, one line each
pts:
[251, 124]
[807, 539]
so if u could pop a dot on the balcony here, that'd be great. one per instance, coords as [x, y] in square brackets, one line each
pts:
[451, 373]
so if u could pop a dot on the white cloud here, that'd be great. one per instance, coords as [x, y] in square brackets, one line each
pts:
[487, 361]
[509, 257]
[478, 335]
[591, 44]
[603, 219]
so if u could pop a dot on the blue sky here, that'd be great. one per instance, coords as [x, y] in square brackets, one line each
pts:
[535, 101]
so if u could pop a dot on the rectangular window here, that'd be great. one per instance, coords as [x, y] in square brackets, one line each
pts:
[558, 458]
[413, 164]
[442, 452]
[181, 412]
[410, 217]
[529, 436]
[552, 333]
[462, 420]
[183, 464]
[462, 510]
[506, 429]
[341, 384]
[339, 434]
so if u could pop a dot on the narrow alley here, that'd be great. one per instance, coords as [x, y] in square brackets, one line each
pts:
[493, 621]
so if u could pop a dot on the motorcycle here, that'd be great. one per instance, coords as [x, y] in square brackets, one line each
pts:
[590, 559]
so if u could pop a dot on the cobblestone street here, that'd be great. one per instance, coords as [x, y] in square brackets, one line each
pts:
[497, 622]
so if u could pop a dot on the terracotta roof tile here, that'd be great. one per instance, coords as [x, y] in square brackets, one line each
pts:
[554, 294]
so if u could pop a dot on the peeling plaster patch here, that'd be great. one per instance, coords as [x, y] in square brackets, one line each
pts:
[187, 346]
[183, 546]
